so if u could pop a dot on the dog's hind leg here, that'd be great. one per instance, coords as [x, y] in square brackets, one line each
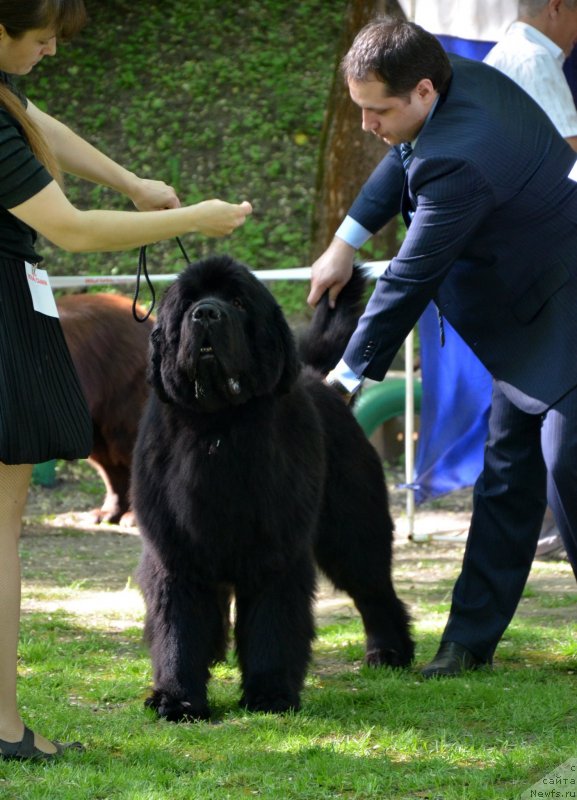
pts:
[386, 623]
[274, 632]
[356, 557]
[385, 618]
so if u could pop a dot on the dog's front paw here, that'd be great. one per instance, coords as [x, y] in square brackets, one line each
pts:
[175, 709]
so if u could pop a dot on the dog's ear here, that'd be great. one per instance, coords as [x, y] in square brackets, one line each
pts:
[288, 352]
[154, 374]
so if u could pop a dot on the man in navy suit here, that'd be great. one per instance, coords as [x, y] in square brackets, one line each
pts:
[488, 189]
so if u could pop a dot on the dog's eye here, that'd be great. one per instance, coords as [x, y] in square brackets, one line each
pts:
[237, 303]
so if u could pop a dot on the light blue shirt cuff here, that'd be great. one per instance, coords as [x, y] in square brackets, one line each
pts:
[353, 233]
[345, 375]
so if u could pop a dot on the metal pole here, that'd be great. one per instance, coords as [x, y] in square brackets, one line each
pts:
[410, 430]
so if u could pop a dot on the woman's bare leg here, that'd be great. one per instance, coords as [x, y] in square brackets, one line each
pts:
[14, 482]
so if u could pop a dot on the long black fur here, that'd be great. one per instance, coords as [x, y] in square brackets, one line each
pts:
[249, 472]
[324, 341]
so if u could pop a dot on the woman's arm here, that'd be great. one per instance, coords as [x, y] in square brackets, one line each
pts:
[80, 158]
[50, 213]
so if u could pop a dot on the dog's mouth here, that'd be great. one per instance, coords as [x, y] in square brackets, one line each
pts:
[207, 352]
[211, 375]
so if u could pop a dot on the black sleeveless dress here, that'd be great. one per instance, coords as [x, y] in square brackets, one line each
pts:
[43, 412]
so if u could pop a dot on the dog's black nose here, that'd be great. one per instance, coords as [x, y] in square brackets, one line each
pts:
[207, 313]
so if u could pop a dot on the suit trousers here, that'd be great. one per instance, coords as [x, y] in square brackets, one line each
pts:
[529, 459]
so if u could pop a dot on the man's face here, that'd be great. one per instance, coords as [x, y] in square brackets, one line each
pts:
[392, 119]
[566, 28]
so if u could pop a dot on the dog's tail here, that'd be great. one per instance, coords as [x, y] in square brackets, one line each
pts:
[323, 342]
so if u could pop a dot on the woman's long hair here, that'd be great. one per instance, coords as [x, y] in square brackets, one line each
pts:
[65, 17]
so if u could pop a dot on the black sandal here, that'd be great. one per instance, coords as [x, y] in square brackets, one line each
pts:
[25, 749]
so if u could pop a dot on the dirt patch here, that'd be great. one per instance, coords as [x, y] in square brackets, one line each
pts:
[75, 566]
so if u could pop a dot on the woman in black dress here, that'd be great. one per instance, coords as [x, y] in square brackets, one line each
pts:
[43, 413]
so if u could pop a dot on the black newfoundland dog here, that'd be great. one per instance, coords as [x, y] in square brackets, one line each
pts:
[249, 472]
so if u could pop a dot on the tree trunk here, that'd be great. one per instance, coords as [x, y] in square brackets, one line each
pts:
[347, 154]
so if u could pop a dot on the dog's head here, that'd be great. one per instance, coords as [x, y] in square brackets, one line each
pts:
[220, 339]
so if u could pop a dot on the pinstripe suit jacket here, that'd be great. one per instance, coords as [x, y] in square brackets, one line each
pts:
[493, 239]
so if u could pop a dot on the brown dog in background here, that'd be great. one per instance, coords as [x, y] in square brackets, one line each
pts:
[110, 353]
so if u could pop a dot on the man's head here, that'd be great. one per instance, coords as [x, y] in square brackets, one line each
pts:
[395, 71]
[557, 19]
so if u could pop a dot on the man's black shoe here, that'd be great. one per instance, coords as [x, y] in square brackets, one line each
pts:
[452, 659]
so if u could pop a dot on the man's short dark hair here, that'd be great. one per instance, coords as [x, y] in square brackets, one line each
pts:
[398, 53]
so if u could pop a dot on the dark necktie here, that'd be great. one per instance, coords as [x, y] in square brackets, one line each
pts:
[406, 150]
[407, 208]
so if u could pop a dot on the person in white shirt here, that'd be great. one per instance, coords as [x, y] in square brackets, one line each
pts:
[532, 53]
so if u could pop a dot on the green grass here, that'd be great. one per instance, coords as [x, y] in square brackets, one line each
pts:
[362, 734]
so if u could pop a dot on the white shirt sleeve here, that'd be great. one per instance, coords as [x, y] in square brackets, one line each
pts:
[353, 233]
[344, 374]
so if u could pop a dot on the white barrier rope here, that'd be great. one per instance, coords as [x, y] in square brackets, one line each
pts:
[374, 268]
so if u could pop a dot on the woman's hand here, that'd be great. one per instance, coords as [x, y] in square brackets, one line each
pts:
[218, 218]
[149, 195]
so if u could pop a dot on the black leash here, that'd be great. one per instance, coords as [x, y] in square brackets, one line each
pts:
[142, 269]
